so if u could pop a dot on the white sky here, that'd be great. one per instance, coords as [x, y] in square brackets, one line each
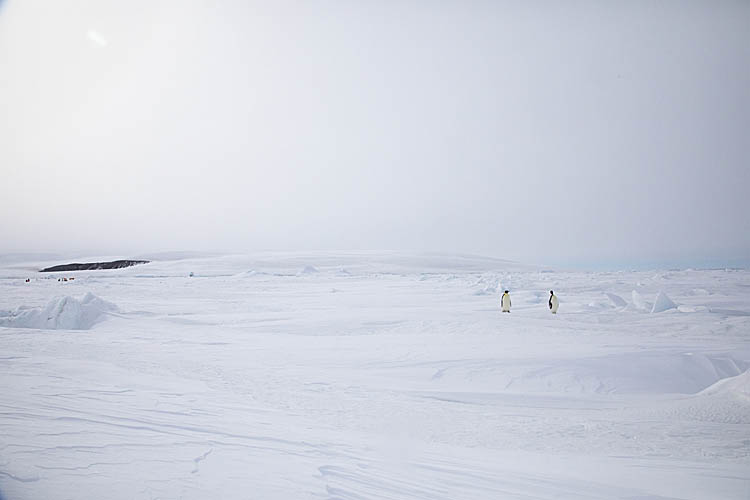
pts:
[545, 132]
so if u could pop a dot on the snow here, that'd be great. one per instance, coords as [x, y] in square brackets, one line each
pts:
[663, 303]
[616, 300]
[67, 313]
[398, 378]
[639, 302]
[307, 270]
[737, 387]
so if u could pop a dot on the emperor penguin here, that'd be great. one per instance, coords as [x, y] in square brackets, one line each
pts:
[505, 302]
[553, 302]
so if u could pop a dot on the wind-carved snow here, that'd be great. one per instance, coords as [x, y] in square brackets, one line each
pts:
[737, 387]
[725, 402]
[64, 313]
[633, 373]
[398, 379]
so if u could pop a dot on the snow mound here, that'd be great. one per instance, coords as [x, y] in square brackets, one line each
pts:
[629, 373]
[663, 303]
[736, 387]
[65, 313]
[307, 270]
[726, 401]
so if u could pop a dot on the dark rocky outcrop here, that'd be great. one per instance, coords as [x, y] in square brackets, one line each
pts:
[92, 266]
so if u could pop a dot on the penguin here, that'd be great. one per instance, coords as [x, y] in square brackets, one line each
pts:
[505, 302]
[553, 302]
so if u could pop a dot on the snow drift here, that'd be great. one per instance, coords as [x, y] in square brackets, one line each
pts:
[727, 401]
[307, 270]
[621, 373]
[734, 387]
[65, 313]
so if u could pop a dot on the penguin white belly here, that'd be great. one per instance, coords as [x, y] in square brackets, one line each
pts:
[555, 304]
[505, 303]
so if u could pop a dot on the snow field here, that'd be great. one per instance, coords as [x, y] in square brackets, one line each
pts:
[375, 376]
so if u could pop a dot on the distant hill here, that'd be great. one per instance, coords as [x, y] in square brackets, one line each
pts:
[92, 266]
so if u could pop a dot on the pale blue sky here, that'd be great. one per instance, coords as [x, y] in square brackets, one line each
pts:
[544, 132]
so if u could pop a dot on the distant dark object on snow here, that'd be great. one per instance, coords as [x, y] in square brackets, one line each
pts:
[93, 266]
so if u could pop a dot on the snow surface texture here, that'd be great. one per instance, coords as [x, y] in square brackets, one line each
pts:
[65, 313]
[253, 379]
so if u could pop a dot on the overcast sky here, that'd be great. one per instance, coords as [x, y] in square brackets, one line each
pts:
[544, 132]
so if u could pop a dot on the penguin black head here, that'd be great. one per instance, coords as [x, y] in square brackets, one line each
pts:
[506, 291]
[551, 292]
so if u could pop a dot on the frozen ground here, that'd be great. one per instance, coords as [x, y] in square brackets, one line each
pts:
[365, 376]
